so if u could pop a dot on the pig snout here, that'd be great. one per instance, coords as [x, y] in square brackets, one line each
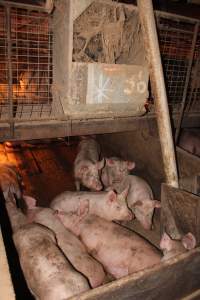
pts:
[130, 216]
[94, 184]
[147, 225]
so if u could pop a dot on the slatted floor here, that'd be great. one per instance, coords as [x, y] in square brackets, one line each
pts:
[46, 169]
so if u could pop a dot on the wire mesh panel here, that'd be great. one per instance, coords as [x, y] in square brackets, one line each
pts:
[175, 38]
[4, 101]
[193, 93]
[31, 63]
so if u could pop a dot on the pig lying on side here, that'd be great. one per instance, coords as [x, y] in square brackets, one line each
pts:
[10, 180]
[140, 195]
[87, 165]
[121, 251]
[71, 246]
[107, 205]
[190, 141]
[48, 274]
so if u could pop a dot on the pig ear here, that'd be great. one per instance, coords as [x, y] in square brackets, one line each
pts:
[30, 201]
[165, 242]
[112, 196]
[100, 164]
[157, 204]
[137, 203]
[124, 194]
[130, 165]
[109, 162]
[189, 241]
[83, 208]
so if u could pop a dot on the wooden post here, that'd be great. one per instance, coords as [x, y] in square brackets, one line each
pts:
[150, 38]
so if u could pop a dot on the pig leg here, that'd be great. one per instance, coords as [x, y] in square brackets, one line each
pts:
[78, 185]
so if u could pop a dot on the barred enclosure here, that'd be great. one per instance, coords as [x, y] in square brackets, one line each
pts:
[111, 35]
[26, 64]
[179, 39]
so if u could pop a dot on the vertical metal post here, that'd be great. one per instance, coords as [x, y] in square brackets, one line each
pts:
[151, 44]
[10, 79]
[194, 40]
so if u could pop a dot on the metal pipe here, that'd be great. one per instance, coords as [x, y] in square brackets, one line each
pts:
[189, 69]
[146, 15]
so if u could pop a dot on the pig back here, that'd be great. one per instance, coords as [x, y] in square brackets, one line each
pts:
[89, 149]
[46, 270]
[121, 251]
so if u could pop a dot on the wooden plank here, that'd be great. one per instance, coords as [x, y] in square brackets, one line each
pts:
[180, 212]
[193, 296]
[6, 287]
[62, 53]
[188, 164]
[190, 184]
[173, 279]
[59, 128]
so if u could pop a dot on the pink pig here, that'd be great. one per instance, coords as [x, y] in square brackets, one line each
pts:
[115, 170]
[121, 251]
[107, 205]
[48, 273]
[70, 245]
[140, 195]
[87, 165]
[171, 247]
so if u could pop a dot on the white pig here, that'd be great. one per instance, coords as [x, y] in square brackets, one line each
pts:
[121, 251]
[171, 247]
[71, 246]
[107, 205]
[48, 274]
[87, 165]
[140, 195]
[116, 170]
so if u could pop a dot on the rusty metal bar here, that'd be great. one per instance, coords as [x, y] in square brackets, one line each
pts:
[194, 40]
[10, 79]
[158, 86]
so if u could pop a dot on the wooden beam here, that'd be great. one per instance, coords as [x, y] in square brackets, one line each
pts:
[151, 45]
[173, 279]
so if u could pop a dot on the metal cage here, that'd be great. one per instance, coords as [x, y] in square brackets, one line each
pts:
[179, 39]
[26, 40]
[34, 48]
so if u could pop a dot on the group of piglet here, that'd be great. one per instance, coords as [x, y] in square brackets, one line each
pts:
[74, 245]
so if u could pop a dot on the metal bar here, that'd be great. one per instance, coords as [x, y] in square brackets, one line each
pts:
[175, 17]
[196, 30]
[158, 86]
[10, 79]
